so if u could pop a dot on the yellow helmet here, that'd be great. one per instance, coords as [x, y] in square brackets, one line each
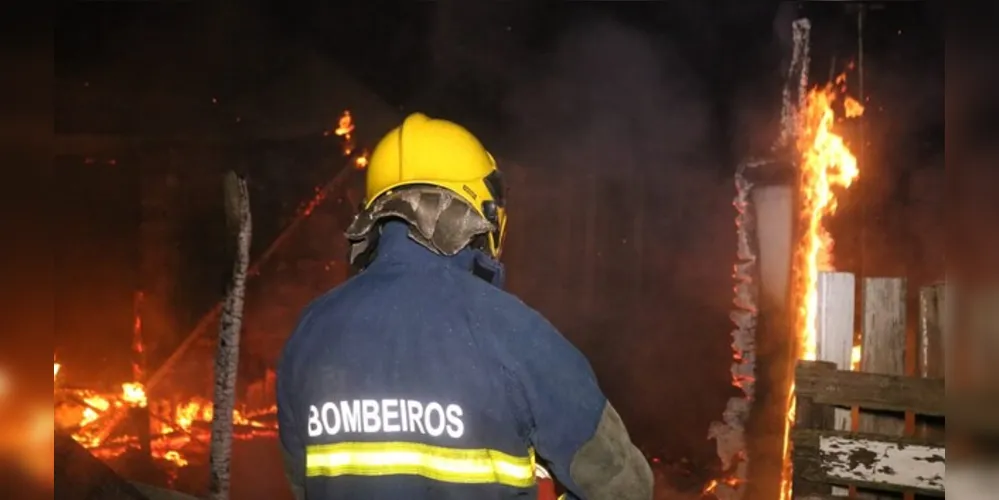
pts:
[426, 151]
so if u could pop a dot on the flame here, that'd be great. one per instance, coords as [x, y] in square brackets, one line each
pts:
[852, 108]
[712, 486]
[345, 130]
[855, 358]
[175, 457]
[792, 410]
[138, 349]
[825, 165]
[176, 428]
[134, 394]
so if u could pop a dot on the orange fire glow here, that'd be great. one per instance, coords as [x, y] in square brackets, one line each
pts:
[176, 428]
[712, 485]
[825, 165]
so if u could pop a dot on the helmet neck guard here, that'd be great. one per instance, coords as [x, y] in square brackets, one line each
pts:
[439, 220]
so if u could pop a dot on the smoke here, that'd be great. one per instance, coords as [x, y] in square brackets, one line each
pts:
[616, 134]
[608, 97]
[971, 178]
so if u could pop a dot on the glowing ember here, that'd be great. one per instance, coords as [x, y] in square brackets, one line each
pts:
[361, 161]
[826, 163]
[176, 458]
[712, 485]
[345, 129]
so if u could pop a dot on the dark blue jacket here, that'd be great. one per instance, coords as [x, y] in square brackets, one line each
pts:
[416, 379]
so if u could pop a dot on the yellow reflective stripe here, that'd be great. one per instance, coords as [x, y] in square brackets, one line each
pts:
[562, 496]
[434, 462]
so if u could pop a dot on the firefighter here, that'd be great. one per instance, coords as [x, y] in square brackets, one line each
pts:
[419, 377]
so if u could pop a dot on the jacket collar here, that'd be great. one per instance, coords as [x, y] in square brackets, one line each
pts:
[395, 246]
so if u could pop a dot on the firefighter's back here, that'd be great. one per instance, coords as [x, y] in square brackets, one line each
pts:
[392, 392]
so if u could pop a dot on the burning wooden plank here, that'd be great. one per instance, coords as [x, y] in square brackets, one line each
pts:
[776, 218]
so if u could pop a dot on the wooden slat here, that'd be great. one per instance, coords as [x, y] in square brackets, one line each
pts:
[931, 346]
[886, 463]
[816, 496]
[871, 391]
[811, 416]
[807, 434]
[931, 330]
[884, 351]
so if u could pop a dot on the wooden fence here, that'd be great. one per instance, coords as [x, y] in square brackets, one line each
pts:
[874, 428]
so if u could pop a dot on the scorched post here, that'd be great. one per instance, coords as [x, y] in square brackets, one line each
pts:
[237, 205]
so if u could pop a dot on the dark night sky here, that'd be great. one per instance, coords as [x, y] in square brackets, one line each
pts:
[463, 59]
[456, 60]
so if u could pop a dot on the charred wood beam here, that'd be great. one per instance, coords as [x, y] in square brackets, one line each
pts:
[206, 321]
[239, 220]
[141, 417]
[338, 181]
[170, 423]
[924, 396]
[78, 474]
[155, 493]
[778, 169]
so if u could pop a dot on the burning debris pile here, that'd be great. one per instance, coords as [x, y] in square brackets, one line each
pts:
[178, 429]
[175, 432]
